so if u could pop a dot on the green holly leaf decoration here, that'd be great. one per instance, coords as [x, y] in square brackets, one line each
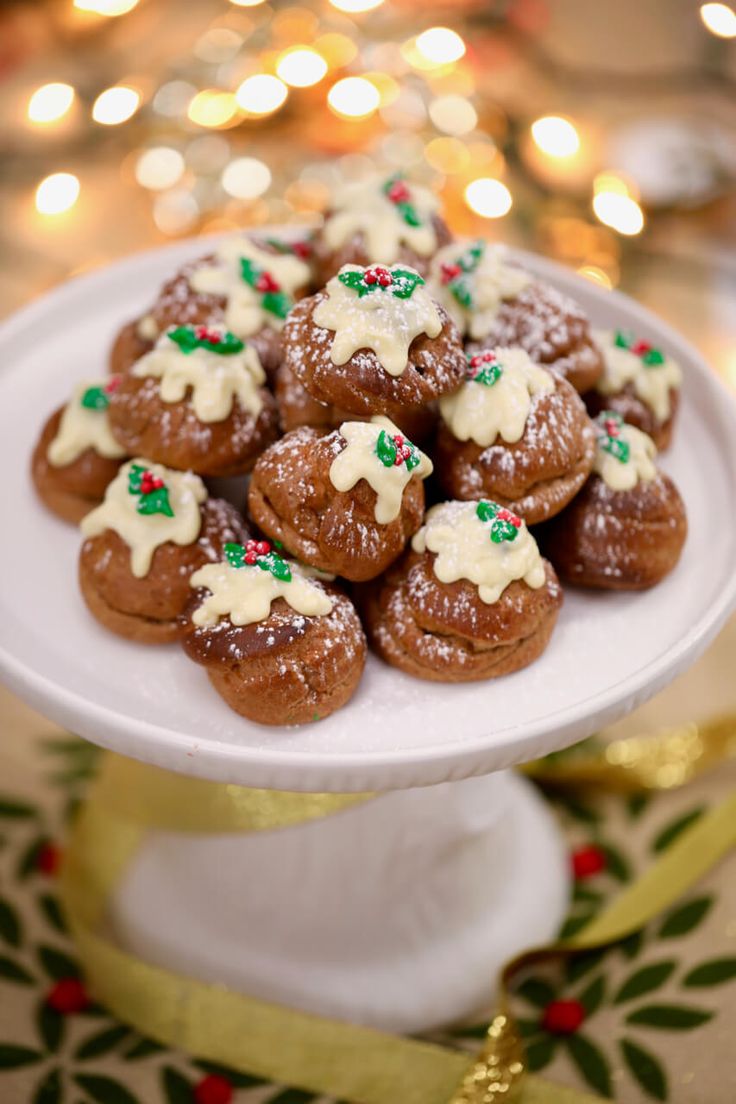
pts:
[669, 1017]
[672, 830]
[591, 1062]
[623, 339]
[386, 449]
[277, 303]
[13, 1057]
[540, 1053]
[608, 425]
[461, 291]
[592, 996]
[101, 1042]
[235, 554]
[16, 810]
[189, 338]
[400, 282]
[644, 1068]
[104, 1090]
[51, 1026]
[10, 925]
[49, 906]
[153, 494]
[142, 1048]
[536, 991]
[404, 283]
[714, 972]
[504, 525]
[57, 964]
[50, 1089]
[653, 358]
[354, 281]
[397, 191]
[276, 565]
[685, 918]
[177, 1089]
[645, 980]
[12, 971]
[395, 450]
[95, 398]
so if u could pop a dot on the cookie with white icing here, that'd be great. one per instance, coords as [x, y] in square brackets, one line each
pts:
[514, 432]
[626, 528]
[374, 342]
[640, 382]
[472, 599]
[281, 646]
[154, 527]
[345, 502]
[297, 408]
[131, 342]
[497, 303]
[197, 401]
[385, 219]
[76, 456]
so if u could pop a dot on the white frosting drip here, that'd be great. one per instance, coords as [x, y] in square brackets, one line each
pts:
[143, 533]
[490, 283]
[216, 380]
[244, 594]
[146, 328]
[244, 312]
[364, 208]
[481, 413]
[464, 550]
[379, 321]
[622, 475]
[652, 382]
[81, 428]
[359, 461]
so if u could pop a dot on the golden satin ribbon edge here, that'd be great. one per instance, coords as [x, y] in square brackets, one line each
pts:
[282, 1044]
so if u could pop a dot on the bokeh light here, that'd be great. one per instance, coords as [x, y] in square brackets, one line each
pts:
[57, 193]
[720, 19]
[353, 7]
[453, 114]
[555, 136]
[354, 98]
[159, 167]
[489, 198]
[115, 105]
[50, 102]
[301, 67]
[106, 7]
[246, 178]
[261, 94]
[440, 46]
[596, 275]
[622, 213]
[247, 3]
[212, 108]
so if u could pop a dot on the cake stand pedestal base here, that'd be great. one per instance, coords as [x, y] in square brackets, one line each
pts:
[396, 913]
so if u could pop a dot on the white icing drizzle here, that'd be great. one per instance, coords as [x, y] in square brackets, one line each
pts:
[244, 312]
[481, 413]
[244, 594]
[379, 321]
[81, 428]
[464, 550]
[216, 380]
[146, 328]
[360, 461]
[492, 281]
[652, 382]
[622, 475]
[143, 533]
[364, 208]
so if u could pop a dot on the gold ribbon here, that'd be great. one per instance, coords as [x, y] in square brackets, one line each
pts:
[284, 1045]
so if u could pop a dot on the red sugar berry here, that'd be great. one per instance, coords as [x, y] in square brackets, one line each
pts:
[263, 548]
[398, 192]
[266, 282]
[506, 515]
[587, 861]
[203, 334]
[640, 347]
[302, 249]
[112, 384]
[48, 859]
[563, 1017]
[67, 996]
[449, 272]
[213, 1089]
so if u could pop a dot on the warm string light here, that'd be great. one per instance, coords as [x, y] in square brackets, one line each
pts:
[619, 211]
[301, 67]
[106, 7]
[211, 107]
[261, 94]
[354, 7]
[57, 193]
[555, 136]
[115, 105]
[354, 98]
[720, 19]
[246, 178]
[159, 167]
[440, 46]
[50, 102]
[489, 198]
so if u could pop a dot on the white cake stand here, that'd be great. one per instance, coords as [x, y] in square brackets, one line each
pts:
[397, 912]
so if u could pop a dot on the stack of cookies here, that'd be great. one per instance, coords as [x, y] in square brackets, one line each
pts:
[427, 443]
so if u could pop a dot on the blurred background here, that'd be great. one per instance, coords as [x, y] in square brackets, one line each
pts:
[603, 135]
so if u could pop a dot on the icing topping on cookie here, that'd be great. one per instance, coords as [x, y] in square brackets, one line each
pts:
[624, 456]
[251, 577]
[213, 362]
[496, 397]
[471, 279]
[258, 285]
[377, 308]
[626, 360]
[378, 452]
[149, 505]
[146, 328]
[389, 213]
[84, 425]
[482, 542]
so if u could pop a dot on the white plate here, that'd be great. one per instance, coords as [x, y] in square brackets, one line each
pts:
[609, 652]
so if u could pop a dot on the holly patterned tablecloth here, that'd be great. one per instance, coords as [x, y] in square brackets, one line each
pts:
[650, 1019]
